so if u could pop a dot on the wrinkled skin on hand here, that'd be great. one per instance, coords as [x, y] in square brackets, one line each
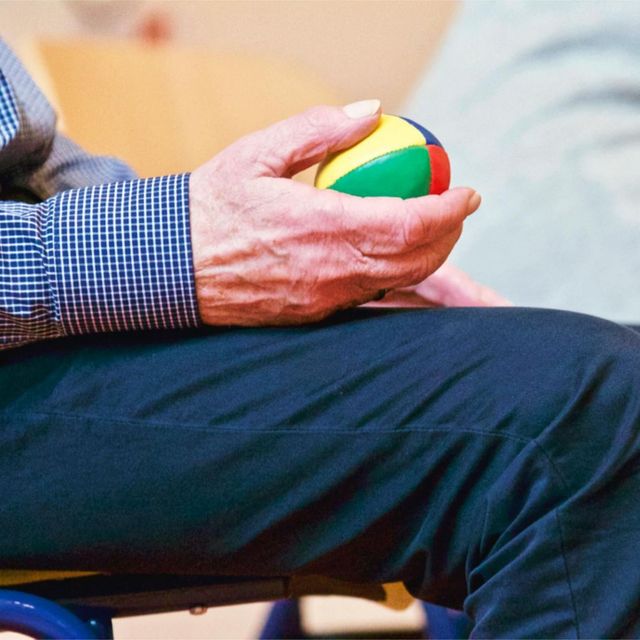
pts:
[271, 251]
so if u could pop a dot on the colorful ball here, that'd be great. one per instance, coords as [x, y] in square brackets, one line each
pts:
[399, 158]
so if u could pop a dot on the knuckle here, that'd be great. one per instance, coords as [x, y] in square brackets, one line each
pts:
[425, 224]
[331, 215]
[415, 228]
[312, 132]
[315, 116]
[448, 211]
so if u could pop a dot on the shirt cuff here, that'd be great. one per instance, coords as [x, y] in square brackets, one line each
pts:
[119, 256]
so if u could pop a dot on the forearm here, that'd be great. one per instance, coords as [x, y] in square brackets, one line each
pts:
[113, 257]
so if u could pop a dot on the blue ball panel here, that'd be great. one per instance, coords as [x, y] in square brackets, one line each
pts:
[428, 136]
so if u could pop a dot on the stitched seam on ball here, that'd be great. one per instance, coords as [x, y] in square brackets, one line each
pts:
[382, 155]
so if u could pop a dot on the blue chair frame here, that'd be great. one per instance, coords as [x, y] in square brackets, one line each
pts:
[85, 607]
[41, 618]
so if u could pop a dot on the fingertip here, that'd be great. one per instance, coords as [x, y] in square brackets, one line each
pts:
[503, 302]
[473, 203]
[467, 197]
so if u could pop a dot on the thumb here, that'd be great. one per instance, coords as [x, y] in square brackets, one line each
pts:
[292, 145]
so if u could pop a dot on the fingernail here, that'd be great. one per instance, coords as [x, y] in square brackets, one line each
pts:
[473, 203]
[362, 108]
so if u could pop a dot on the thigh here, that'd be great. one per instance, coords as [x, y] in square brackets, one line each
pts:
[361, 448]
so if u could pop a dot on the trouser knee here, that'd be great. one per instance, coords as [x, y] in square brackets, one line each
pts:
[592, 431]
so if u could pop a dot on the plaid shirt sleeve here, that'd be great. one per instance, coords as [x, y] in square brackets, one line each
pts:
[107, 257]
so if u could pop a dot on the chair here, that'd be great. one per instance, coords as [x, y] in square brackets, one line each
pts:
[71, 605]
[83, 605]
[80, 608]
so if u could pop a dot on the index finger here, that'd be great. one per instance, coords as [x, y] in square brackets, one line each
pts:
[408, 224]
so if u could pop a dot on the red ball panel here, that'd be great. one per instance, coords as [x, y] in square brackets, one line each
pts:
[440, 169]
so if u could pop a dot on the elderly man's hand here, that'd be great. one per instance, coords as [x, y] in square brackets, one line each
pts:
[268, 250]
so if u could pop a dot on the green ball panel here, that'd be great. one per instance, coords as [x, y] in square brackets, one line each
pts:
[405, 173]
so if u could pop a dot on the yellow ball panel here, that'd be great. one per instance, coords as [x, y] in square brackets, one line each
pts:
[391, 134]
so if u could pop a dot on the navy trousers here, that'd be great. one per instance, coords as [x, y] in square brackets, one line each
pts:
[488, 458]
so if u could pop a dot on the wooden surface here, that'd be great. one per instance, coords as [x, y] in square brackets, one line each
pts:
[166, 109]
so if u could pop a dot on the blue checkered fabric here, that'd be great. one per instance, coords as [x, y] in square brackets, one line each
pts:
[84, 245]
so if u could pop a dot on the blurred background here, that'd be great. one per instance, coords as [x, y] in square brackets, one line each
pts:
[232, 65]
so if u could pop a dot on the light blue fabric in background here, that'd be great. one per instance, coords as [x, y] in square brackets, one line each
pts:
[538, 105]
